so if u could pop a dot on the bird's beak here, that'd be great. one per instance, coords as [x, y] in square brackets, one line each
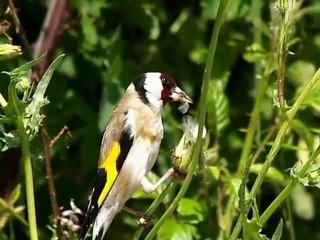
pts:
[179, 95]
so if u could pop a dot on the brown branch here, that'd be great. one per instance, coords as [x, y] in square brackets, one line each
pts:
[63, 130]
[47, 40]
[19, 30]
[51, 30]
[49, 173]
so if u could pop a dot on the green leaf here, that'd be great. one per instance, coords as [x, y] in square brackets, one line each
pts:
[277, 234]
[16, 107]
[300, 72]
[218, 107]
[11, 140]
[89, 31]
[111, 92]
[173, 230]
[3, 236]
[304, 132]
[22, 71]
[302, 203]
[251, 230]
[38, 100]
[273, 173]
[191, 210]
[15, 194]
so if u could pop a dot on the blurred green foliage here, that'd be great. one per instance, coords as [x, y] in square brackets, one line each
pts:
[106, 44]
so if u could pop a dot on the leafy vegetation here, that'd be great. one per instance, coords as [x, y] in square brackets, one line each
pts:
[251, 68]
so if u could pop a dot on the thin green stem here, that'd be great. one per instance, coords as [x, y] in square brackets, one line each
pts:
[282, 49]
[202, 114]
[289, 221]
[26, 157]
[276, 147]
[152, 208]
[285, 192]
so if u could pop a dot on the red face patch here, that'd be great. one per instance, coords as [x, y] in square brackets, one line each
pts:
[168, 84]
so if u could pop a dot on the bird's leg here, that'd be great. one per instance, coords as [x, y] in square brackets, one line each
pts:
[149, 187]
[144, 219]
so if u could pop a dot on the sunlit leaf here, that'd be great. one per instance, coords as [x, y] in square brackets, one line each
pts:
[302, 203]
[173, 230]
[218, 107]
[252, 231]
[273, 173]
[300, 72]
[191, 210]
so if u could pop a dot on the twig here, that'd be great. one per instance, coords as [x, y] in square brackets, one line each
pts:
[51, 30]
[19, 29]
[63, 130]
[49, 173]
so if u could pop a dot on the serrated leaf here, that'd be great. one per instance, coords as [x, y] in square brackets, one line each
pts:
[173, 230]
[191, 210]
[11, 139]
[38, 100]
[251, 230]
[218, 107]
[277, 234]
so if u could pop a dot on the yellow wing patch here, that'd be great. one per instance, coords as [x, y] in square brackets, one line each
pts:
[110, 166]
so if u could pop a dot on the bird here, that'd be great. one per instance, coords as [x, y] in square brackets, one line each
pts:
[129, 148]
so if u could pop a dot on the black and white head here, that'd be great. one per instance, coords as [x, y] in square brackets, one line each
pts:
[157, 89]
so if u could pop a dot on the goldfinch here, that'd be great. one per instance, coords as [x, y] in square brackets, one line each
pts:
[129, 148]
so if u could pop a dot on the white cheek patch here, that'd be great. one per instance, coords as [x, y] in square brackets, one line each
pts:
[153, 85]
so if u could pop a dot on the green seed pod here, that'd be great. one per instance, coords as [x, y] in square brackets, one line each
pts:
[181, 156]
[23, 85]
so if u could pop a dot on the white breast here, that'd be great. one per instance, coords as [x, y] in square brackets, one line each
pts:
[140, 159]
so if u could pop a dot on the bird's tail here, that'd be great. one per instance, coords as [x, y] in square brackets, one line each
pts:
[103, 221]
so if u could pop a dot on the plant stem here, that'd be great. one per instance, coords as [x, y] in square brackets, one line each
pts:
[262, 84]
[285, 192]
[282, 54]
[26, 157]
[276, 147]
[202, 113]
[171, 185]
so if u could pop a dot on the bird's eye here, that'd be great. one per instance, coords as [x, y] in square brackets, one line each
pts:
[165, 81]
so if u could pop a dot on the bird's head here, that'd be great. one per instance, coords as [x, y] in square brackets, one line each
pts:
[158, 89]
